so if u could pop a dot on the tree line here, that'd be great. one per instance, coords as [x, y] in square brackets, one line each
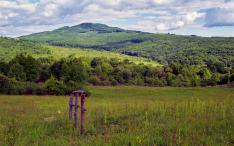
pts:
[27, 75]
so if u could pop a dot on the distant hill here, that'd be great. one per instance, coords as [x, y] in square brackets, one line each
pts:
[164, 48]
[86, 35]
[10, 47]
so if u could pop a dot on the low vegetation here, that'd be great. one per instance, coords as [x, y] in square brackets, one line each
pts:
[123, 116]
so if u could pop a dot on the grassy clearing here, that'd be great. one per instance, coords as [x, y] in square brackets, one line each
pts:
[123, 116]
[56, 53]
[62, 52]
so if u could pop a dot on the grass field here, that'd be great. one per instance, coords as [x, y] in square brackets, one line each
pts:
[123, 116]
[56, 53]
[62, 52]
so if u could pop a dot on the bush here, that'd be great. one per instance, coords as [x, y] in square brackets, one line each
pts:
[72, 86]
[50, 87]
[154, 81]
[113, 81]
[94, 80]
[11, 86]
[54, 87]
[4, 84]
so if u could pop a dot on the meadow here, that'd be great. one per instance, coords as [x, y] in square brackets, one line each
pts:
[124, 115]
[88, 54]
[9, 48]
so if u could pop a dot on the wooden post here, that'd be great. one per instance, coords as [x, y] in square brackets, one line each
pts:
[76, 111]
[82, 94]
[82, 113]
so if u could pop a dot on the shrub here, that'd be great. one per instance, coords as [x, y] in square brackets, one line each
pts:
[4, 84]
[94, 80]
[154, 81]
[72, 86]
[54, 87]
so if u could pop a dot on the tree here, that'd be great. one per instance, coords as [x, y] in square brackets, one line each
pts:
[170, 77]
[30, 66]
[4, 68]
[56, 68]
[96, 61]
[176, 68]
[54, 87]
[17, 71]
[204, 74]
[122, 75]
[77, 71]
[45, 73]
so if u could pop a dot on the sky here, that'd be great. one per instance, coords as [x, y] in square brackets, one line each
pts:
[185, 17]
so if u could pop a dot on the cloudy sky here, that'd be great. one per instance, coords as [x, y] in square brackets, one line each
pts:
[199, 17]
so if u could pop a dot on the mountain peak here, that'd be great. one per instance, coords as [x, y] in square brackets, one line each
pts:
[91, 25]
[98, 27]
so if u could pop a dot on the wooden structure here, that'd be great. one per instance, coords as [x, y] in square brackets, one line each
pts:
[74, 106]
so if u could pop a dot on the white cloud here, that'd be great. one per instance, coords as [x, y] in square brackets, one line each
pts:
[166, 22]
[163, 1]
[146, 15]
[50, 10]
[191, 17]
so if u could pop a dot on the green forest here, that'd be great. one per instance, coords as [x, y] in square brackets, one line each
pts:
[49, 63]
[27, 75]
[163, 48]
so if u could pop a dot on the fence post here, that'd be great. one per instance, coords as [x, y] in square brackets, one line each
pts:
[70, 106]
[75, 104]
[76, 110]
[82, 113]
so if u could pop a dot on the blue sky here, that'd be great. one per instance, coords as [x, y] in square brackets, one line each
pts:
[186, 17]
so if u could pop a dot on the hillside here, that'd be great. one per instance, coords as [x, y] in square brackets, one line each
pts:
[9, 48]
[164, 48]
[57, 65]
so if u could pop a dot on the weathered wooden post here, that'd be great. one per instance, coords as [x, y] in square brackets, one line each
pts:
[76, 110]
[82, 113]
[76, 94]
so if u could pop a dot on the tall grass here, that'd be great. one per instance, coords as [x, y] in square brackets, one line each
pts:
[123, 116]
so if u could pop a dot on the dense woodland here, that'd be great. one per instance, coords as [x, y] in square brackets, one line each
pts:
[163, 48]
[26, 75]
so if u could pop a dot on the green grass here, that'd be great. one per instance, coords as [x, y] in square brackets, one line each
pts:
[9, 48]
[123, 116]
[61, 52]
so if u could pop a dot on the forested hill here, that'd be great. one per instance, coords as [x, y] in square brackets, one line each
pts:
[10, 47]
[164, 48]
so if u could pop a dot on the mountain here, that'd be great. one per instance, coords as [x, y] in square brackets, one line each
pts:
[86, 27]
[86, 35]
[164, 48]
